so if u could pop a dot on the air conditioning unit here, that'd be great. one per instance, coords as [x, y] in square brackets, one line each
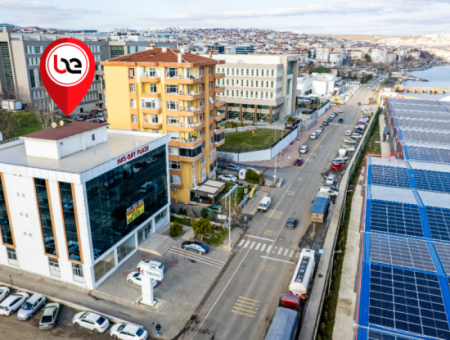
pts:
[181, 92]
[174, 189]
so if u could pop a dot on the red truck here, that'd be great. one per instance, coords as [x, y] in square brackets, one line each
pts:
[285, 321]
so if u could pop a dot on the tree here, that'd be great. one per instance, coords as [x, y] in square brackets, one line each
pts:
[368, 57]
[176, 229]
[322, 69]
[8, 126]
[45, 116]
[204, 213]
[201, 226]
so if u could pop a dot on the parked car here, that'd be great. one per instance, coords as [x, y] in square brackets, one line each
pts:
[304, 149]
[320, 128]
[128, 331]
[348, 132]
[330, 186]
[4, 292]
[233, 167]
[314, 135]
[359, 104]
[329, 120]
[136, 278]
[13, 303]
[341, 111]
[356, 135]
[92, 321]
[330, 179]
[298, 162]
[351, 148]
[195, 246]
[328, 190]
[340, 120]
[49, 316]
[291, 223]
[343, 157]
[152, 263]
[338, 161]
[349, 141]
[337, 166]
[228, 178]
[325, 123]
[217, 209]
[29, 308]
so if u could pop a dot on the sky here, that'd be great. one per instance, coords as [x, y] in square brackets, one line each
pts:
[380, 17]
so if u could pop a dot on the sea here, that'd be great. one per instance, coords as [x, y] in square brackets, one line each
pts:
[437, 76]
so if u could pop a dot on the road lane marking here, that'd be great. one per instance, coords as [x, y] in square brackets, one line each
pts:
[257, 246]
[292, 253]
[246, 244]
[241, 314]
[263, 246]
[253, 244]
[268, 249]
[285, 252]
[273, 259]
[280, 250]
[241, 297]
[299, 179]
[269, 232]
[275, 214]
[262, 238]
[296, 254]
[241, 243]
[291, 193]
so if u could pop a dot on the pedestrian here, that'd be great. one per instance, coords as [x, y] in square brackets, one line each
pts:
[158, 329]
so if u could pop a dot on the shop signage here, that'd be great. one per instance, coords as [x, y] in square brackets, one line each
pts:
[135, 211]
[131, 155]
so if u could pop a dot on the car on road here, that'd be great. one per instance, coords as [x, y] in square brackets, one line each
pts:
[356, 135]
[329, 120]
[314, 135]
[152, 264]
[338, 161]
[13, 303]
[216, 209]
[337, 166]
[298, 161]
[128, 331]
[359, 130]
[92, 321]
[340, 120]
[4, 292]
[329, 190]
[348, 132]
[330, 179]
[233, 167]
[330, 186]
[351, 148]
[359, 104]
[343, 157]
[228, 178]
[49, 316]
[325, 123]
[349, 141]
[341, 111]
[304, 149]
[195, 246]
[320, 128]
[31, 306]
[136, 278]
[291, 223]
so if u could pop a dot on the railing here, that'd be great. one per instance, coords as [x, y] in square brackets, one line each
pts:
[148, 75]
[191, 125]
[8, 140]
[189, 77]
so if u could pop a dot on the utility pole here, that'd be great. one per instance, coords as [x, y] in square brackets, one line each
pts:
[276, 156]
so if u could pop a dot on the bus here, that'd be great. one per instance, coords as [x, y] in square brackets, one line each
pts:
[303, 273]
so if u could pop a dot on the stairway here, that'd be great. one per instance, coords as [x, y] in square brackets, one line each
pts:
[157, 244]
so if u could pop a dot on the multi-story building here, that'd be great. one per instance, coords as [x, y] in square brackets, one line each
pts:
[164, 90]
[379, 55]
[239, 49]
[258, 88]
[21, 54]
[323, 54]
[77, 200]
[336, 59]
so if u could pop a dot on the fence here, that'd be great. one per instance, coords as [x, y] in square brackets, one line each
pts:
[310, 123]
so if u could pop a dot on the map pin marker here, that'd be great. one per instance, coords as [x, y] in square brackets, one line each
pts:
[67, 70]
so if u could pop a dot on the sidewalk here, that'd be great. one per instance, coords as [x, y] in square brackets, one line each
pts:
[345, 311]
[385, 149]
[291, 153]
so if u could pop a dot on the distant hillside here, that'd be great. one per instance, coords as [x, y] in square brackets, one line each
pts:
[361, 37]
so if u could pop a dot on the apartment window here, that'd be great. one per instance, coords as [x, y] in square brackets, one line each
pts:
[267, 84]
[133, 103]
[172, 120]
[93, 137]
[242, 93]
[171, 89]
[210, 85]
[172, 105]
[171, 72]
[175, 179]
[133, 88]
[210, 71]
[201, 103]
[247, 83]
[148, 104]
[173, 135]
[232, 93]
[37, 49]
[232, 82]
[77, 270]
[211, 140]
[228, 71]
[203, 175]
[201, 72]
[69, 221]
[257, 73]
[246, 94]
[201, 87]
[252, 83]
[228, 93]
[174, 151]
[54, 266]
[202, 160]
[256, 83]
[262, 73]
[248, 72]
[194, 179]
[267, 95]
[152, 73]
[228, 81]
[273, 73]
[271, 84]
[131, 72]
[32, 79]
[152, 88]
[174, 165]
[134, 119]
[242, 82]
[211, 155]
[271, 95]
[154, 119]
[12, 256]
[256, 94]
[242, 71]
[210, 113]
[232, 71]
[253, 72]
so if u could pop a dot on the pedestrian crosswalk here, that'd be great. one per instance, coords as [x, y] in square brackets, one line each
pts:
[267, 249]
[274, 213]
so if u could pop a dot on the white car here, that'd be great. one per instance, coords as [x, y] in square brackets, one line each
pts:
[342, 157]
[92, 321]
[348, 132]
[304, 149]
[341, 111]
[330, 179]
[351, 148]
[356, 135]
[349, 141]
[314, 135]
[128, 331]
[228, 178]
[4, 292]
[329, 190]
[136, 277]
[12, 303]
[152, 263]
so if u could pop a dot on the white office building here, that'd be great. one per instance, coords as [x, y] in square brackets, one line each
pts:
[320, 84]
[77, 200]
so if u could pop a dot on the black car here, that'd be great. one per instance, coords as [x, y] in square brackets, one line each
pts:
[359, 103]
[195, 246]
[291, 223]
[340, 120]
[325, 123]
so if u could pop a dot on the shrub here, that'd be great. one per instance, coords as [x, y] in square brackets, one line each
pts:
[291, 119]
[182, 211]
[201, 226]
[176, 229]
[250, 174]
[204, 213]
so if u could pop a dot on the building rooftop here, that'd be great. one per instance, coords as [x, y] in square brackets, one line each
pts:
[65, 131]
[119, 143]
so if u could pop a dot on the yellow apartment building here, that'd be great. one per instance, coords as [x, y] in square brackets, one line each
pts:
[169, 91]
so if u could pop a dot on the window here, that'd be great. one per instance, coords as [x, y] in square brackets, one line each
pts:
[257, 73]
[228, 71]
[131, 72]
[134, 119]
[271, 84]
[211, 140]
[253, 72]
[172, 120]
[133, 103]
[193, 165]
[273, 73]
[211, 155]
[271, 95]
[228, 92]
[77, 270]
[32, 79]
[104, 265]
[171, 72]
[171, 89]
[210, 85]
[203, 175]
[37, 49]
[174, 151]
[252, 83]
[228, 81]
[262, 73]
[172, 105]
[248, 72]
[133, 88]
[126, 248]
[155, 119]
[152, 73]
[194, 179]
[246, 94]
[267, 95]
[173, 135]
[12, 256]
[152, 88]
[117, 51]
[201, 87]
[93, 137]
[201, 72]
[232, 82]
[54, 266]
[175, 179]
[45, 216]
[242, 93]
[247, 83]
[191, 153]
[203, 160]
[232, 93]
[201, 102]
[210, 113]
[144, 232]
[174, 165]
[256, 83]
[210, 71]
[251, 94]
[69, 221]
[148, 104]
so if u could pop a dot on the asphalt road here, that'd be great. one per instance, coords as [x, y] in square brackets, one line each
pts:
[243, 303]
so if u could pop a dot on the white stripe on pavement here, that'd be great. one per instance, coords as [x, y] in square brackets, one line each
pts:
[285, 252]
[279, 251]
[268, 249]
[246, 244]
[241, 243]
[296, 254]
[253, 244]
[271, 258]
[292, 253]
[264, 246]
[261, 238]
[257, 246]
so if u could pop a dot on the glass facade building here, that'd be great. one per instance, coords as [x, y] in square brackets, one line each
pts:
[4, 217]
[69, 220]
[121, 199]
[45, 214]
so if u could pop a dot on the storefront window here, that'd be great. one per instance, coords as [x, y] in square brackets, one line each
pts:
[126, 248]
[144, 232]
[121, 199]
[104, 265]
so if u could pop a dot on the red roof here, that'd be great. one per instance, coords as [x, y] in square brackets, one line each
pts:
[65, 131]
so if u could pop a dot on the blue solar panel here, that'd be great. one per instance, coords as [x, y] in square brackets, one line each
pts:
[443, 250]
[432, 180]
[390, 176]
[426, 137]
[439, 222]
[395, 218]
[428, 155]
[377, 335]
[407, 301]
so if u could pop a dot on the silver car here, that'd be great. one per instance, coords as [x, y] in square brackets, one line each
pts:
[29, 308]
[92, 321]
[12, 303]
[304, 149]
[49, 316]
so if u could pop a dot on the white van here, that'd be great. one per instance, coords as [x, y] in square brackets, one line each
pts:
[264, 204]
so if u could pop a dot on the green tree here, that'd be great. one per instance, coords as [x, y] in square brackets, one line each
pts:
[176, 229]
[204, 213]
[250, 174]
[182, 211]
[201, 226]
[322, 69]
[368, 57]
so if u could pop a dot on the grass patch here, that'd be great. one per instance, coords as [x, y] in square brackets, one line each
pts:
[330, 303]
[183, 221]
[245, 141]
[216, 237]
[233, 125]
[26, 122]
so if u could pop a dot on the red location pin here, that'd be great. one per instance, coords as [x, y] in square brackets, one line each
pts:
[67, 70]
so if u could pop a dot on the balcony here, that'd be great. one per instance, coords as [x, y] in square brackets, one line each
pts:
[150, 95]
[186, 127]
[219, 75]
[219, 103]
[219, 89]
[148, 110]
[151, 125]
[148, 78]
[220, 130]
[219, 117]
[188, 143]
[182, 80]
[185, 96]
[186, 113]
[219, 143]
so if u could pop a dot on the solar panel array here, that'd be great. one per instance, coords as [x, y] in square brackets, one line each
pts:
[439, 223]
[390, 176]
[377, 335]
[426, 137]
[432, 180]
[422, 116]
[443, 250]
[429, 154]
[423, 125]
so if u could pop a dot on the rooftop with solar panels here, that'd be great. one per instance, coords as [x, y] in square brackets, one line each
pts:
[405, 261]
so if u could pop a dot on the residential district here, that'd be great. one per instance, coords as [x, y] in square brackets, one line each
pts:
[226, 184]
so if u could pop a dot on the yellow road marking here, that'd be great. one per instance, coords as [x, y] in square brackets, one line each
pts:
[249, 303]
[243, 313]
[299, 179]
[248, 299]
[245, 310]
[290, 193]
[270, 232]
[239, 304]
